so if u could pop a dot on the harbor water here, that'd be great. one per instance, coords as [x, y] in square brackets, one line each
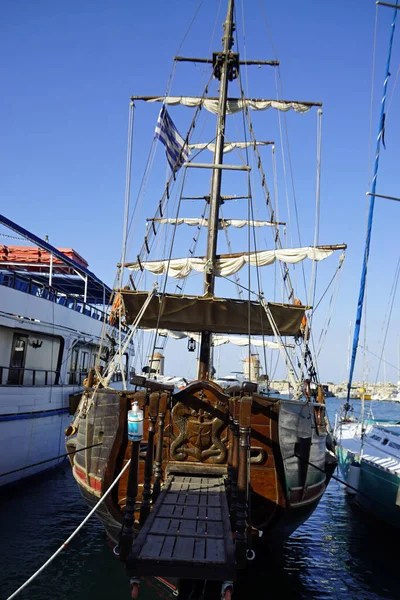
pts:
[338, 553]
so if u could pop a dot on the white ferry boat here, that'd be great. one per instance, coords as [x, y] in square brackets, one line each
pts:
[52, 314]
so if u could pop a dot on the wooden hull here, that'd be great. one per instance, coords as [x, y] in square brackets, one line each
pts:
[290, 465]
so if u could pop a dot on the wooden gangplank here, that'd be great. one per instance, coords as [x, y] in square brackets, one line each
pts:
[187, 534]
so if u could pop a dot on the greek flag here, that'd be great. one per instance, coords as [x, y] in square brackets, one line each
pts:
[175, 147]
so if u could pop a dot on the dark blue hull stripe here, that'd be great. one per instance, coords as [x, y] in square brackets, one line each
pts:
[34, 415]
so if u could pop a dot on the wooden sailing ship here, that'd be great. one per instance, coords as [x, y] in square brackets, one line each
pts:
[218, 472]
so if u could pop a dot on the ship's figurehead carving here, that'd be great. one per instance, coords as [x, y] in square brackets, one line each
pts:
[199, 422]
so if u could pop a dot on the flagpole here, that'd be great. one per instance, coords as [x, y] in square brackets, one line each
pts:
[224, 66]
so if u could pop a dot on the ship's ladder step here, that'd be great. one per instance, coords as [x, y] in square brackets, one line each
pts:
[188, 532]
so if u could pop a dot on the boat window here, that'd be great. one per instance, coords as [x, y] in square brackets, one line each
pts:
[385, 441]
[394, 445]
[35, 359]
[376, 437]
[17, 359]
[74, 364]
[84, 361]
[74, 360]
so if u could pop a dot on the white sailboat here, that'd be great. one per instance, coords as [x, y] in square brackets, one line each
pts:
[369, 450]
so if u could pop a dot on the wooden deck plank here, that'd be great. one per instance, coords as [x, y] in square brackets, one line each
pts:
[152, 546]
[199, 549]
[188, 526]
[203, 500]
[160, 525]
[213, 499]
[215, 528]
[173, 526]
[178, 511]
[168, 547]
[215, 551]
[183, 550]
[201, 526]
[193, 499]
[171, 498]
[190, 512]
[202, 512]
[214, 513]
[166, 510]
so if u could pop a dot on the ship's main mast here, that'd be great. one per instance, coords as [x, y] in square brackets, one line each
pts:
[225, 68]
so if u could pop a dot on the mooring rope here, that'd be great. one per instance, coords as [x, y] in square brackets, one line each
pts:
[49, 460]
[67, 541]
[342, 481]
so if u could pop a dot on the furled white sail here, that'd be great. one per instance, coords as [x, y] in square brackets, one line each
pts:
[222, 223]
[179, 268]
[217, 339]
[233, 105]
[228, 146]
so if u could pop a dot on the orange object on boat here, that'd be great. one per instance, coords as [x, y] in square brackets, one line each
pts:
[33, 257]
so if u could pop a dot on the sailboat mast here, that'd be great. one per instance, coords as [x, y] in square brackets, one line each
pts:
[225, 64]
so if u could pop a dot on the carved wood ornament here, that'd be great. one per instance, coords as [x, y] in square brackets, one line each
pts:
[199, 421]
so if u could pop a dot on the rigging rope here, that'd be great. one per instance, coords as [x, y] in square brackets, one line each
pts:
[360, 302]
[268, 202]
[388, 316]
[148, 242]
[166, 271]
[344, 482]
[42, 462]
[331, 307]
[314, 268]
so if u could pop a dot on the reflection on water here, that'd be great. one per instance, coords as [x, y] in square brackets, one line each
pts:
[338, 553]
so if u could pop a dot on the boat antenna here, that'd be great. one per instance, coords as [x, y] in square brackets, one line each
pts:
[225, 65]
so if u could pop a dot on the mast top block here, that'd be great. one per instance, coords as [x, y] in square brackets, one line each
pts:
[232, 64]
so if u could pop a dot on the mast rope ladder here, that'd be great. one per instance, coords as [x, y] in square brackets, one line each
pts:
[267, 195]
[165, 196]
[192, 249]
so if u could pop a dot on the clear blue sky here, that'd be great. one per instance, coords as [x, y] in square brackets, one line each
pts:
[68, 71]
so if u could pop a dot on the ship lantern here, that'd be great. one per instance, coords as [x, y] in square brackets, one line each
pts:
[191, 345]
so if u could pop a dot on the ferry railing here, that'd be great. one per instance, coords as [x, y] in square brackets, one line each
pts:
[23, 376]
[50, 293]
[28, 377]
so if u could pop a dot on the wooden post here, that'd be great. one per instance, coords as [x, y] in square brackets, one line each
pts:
[127, 533]
[230, 448]
[320, 394]
[160, 446]
[154, 402]
[235, 458]
[242, 492]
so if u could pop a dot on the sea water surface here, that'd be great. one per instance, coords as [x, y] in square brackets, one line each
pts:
[338, 553]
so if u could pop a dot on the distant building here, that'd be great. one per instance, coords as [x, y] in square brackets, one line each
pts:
[156, 363]
[252, 367]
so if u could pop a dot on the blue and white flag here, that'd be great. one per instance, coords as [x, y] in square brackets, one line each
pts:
[175, 146]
